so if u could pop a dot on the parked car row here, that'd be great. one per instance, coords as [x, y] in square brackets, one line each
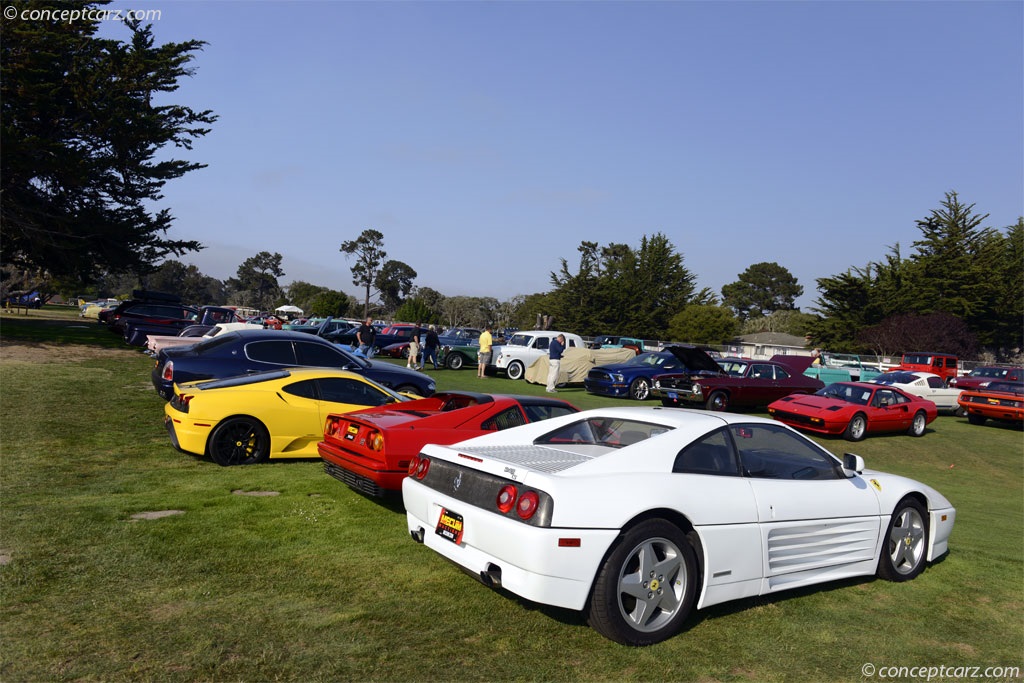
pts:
[526, 492]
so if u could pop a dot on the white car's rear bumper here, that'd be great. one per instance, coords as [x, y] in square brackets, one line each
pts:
[539, 564]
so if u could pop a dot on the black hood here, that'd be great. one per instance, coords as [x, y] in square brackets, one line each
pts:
[694, 359]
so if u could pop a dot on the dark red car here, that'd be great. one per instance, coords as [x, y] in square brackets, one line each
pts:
[981, 376]
[855, 409]
[370, 450]
[746, 383]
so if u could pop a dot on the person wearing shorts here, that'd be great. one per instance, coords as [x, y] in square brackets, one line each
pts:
[484, 355]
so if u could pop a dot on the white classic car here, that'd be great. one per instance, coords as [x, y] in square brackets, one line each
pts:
[525, 347]
[926, 385]
[637, 515]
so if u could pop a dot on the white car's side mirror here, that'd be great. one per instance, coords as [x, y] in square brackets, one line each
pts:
[852, 464]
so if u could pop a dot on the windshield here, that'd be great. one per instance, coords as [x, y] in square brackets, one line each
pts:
[895, 378]
[851, 393]
[520, 340]
[656, 360]
[989, 372]
[733, 368]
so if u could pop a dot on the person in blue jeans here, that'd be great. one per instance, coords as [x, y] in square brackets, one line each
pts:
[555, 350]
[365, 336]
[430, 344]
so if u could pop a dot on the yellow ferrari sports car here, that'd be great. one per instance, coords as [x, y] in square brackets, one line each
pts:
[276, 414]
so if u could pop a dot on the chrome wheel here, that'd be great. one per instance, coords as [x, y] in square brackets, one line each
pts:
[918, 425]
[640, 389]
[857, 428]
[645, 589]
[903, 557]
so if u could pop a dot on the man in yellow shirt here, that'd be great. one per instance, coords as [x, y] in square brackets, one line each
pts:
[484, 355]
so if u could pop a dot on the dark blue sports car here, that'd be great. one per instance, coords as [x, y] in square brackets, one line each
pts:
[243, 351]
[633, 379]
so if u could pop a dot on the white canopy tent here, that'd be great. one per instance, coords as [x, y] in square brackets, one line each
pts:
[289, 311]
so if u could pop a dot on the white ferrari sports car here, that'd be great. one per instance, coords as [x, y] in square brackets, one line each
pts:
[637, 515]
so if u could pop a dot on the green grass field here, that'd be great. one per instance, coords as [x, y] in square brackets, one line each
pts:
[279, 572]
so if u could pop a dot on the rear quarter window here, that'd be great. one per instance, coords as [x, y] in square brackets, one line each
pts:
[278, 351]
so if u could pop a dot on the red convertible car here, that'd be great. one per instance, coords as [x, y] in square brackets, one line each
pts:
[746, 383]
[855, 409]
[370, 450]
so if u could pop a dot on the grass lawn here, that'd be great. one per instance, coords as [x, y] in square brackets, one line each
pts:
[123, 559]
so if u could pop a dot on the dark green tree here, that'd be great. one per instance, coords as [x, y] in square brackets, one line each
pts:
[87, 132]
[394, 282]
[761, 289]
[256, 283]
[328, 302]
[368, 250]
[631, 291]
[186, 281]
[702, 324]
[413, 310]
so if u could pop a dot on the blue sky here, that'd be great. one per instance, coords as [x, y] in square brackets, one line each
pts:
[486, 140]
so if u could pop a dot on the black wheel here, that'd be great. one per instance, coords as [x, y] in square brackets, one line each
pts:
[239, 441]
[718, 400]
[918, 425]
[906, 542]
[515, 370]
[645, 589]
[857, 428]
[976, 419]
[640, 389]
[455, 361]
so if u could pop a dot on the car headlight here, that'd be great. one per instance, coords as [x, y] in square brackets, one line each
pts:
[696, 390]
[617, 377]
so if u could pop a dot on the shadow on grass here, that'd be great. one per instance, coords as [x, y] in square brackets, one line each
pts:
[573, 618]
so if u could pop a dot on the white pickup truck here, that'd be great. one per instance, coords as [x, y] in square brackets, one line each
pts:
[524, 347]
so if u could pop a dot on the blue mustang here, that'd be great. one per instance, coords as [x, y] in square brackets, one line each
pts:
[633, 379]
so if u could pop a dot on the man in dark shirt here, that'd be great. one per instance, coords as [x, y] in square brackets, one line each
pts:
[555, 350]
[430, 344]
[365, 336]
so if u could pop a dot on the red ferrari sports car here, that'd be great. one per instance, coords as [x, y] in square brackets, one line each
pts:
[855, 409]
[369, 450]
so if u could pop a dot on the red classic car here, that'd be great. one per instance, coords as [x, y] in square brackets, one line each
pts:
[855, 409]
[370, 450]
[1002, 401]
[746, 383]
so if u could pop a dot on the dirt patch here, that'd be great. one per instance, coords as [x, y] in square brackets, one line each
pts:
[157, 514]
[240, 492]
[15, 351]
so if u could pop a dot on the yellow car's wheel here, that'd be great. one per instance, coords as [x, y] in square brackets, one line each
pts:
[239, 441]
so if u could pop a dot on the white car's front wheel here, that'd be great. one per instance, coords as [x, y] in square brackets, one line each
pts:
[645, 589]
[906, 540]
[515, 370]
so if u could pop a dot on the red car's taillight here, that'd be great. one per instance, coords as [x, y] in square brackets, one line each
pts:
[375, 441]
[331, 426]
